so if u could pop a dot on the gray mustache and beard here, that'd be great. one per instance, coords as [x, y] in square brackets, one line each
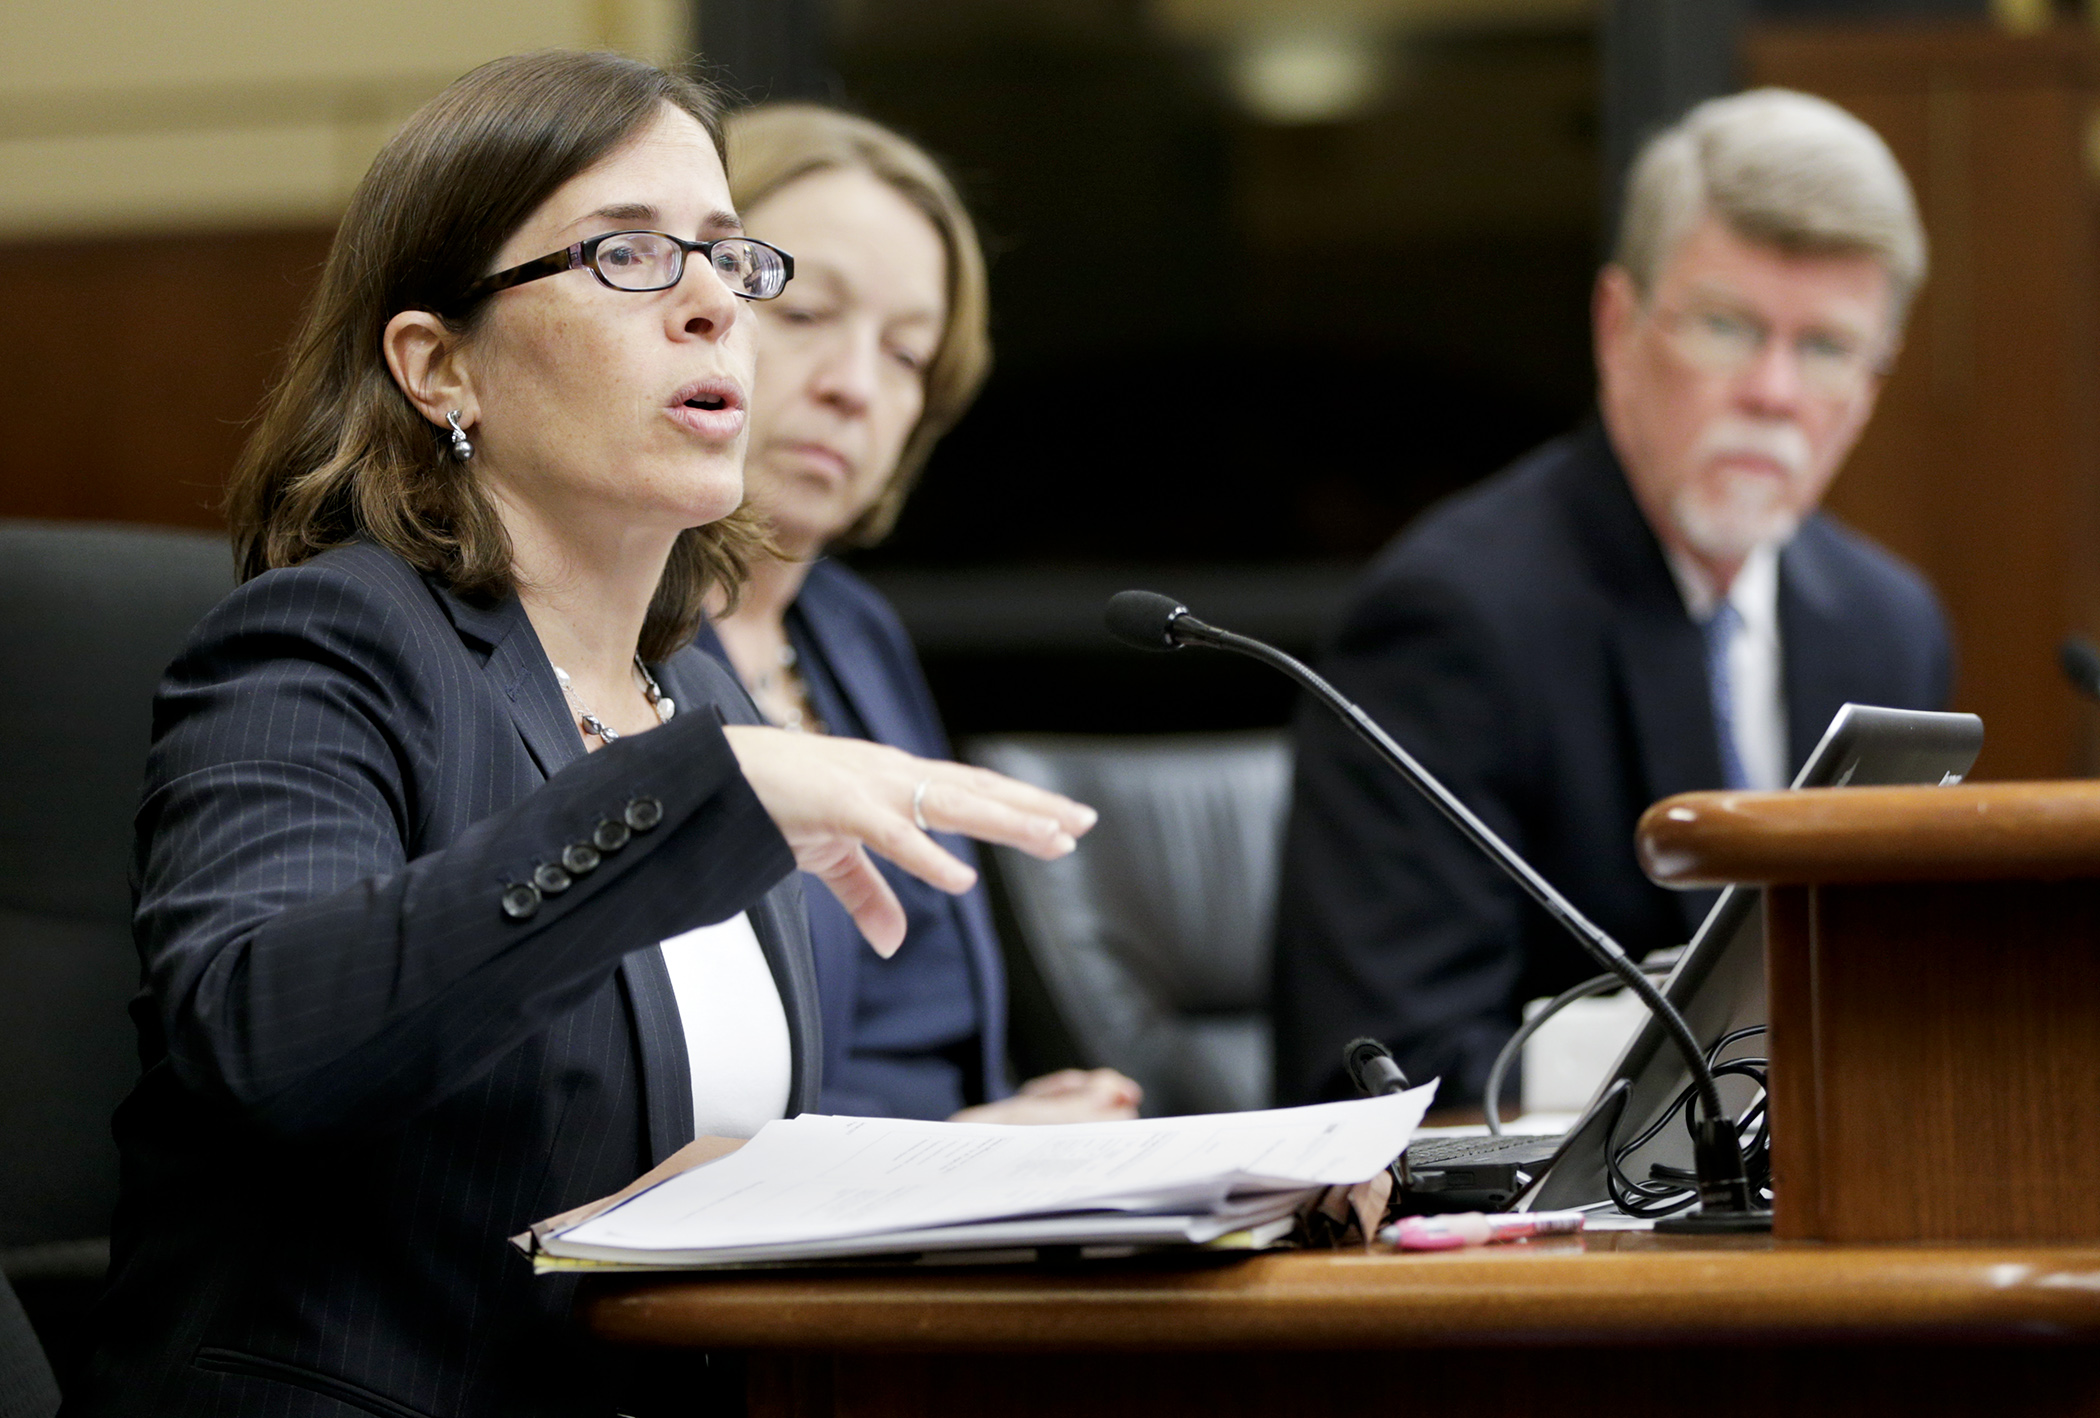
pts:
[1730, 515]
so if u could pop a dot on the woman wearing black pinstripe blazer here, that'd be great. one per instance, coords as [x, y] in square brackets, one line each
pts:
[403, 991]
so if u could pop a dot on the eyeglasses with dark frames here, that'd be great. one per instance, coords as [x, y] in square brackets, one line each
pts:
[652, 260]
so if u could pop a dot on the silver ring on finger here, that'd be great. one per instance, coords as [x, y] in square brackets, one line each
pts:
[918, 804]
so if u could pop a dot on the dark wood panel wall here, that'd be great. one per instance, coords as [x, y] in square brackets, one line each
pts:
[1981, 465]
[132, 367]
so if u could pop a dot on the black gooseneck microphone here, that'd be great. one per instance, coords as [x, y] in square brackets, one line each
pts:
[1151, 621]
[1372, 1069]
[1375, 1074]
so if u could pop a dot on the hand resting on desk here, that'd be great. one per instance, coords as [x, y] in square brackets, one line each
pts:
[1070, 1095]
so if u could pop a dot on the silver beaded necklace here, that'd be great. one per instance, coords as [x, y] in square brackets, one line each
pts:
[597, 728]
[781, 688]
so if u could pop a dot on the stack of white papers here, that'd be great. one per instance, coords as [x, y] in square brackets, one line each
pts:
[815, 1188]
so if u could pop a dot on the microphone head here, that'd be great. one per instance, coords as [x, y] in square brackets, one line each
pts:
[1144, 619]
[2081, 661]
[1372, 1070]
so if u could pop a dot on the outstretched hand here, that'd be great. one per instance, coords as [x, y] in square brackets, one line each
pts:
[836, 799]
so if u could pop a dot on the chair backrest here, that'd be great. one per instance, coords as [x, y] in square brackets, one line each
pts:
[90, 615]
[1153, 939]
[27, 1387]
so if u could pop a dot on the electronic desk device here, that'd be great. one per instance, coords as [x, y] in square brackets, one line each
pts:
[1718, 984]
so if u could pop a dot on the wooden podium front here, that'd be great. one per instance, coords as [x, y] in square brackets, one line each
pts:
[1933, 978]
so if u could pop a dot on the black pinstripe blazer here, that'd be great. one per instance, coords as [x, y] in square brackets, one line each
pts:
[361, 1073]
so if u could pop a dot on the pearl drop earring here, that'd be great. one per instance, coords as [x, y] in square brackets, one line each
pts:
[462, 446]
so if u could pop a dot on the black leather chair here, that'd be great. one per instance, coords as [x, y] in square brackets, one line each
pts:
[1152, 941]
[27, 1389]
[90, 615]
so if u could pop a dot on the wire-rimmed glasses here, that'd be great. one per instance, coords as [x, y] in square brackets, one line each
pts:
[653, 260]
[1831, 363]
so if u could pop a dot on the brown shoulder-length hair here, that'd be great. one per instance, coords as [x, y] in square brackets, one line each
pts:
[339, 452]
[778, 143]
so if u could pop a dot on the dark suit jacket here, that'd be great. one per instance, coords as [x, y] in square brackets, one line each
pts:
[361, 1075]
[1527, 642]
[851, 638]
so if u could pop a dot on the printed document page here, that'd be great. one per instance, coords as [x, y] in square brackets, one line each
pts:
[815, 1178]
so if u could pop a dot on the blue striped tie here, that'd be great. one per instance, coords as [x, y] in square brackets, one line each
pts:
[1719, 630]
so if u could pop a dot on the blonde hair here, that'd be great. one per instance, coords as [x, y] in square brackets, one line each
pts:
[776, 144]
[340, 454]
[1782, 168]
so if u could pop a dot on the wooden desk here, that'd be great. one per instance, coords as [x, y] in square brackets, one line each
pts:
[1933, 975]
[1608, 1324]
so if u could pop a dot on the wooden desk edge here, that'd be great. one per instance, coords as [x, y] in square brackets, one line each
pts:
[1337, 1302]
[1974, 832]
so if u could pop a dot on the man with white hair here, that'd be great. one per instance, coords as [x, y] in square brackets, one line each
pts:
[1649, 605]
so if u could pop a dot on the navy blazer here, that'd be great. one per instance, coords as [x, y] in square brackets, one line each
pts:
[863, 649]
[363, 1073]
[1527, 642]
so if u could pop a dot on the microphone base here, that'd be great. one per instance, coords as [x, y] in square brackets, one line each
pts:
[1715, 1223]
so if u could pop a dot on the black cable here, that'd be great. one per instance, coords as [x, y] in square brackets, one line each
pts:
[1664, 1191]
[1650, 1199]
[1491, 1097]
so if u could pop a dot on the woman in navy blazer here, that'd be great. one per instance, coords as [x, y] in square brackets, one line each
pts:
[439, 939]
[876, 351]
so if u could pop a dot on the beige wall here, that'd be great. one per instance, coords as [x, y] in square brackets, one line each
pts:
[198, 115]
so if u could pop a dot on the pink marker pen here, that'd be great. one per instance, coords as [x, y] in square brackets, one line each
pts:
[1473, 1228]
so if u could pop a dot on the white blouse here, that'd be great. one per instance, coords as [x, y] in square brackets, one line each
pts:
[736, 1031]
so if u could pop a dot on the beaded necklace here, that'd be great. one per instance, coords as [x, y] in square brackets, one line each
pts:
[597, 728]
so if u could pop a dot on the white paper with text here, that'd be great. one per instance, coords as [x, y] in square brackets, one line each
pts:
[816, 1178]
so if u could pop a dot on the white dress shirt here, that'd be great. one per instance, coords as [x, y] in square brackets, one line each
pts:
[736, 1032]
[1759, 708]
